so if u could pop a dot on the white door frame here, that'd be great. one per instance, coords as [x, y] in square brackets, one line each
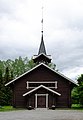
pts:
[36, 97]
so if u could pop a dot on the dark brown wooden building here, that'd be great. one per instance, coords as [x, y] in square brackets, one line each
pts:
[42, 87]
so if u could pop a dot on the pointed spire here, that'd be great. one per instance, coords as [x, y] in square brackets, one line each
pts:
[42, 46]
[42, 17]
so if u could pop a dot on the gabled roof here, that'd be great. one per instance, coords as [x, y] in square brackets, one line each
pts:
[42, 86]
[42, 46]
[42, 64]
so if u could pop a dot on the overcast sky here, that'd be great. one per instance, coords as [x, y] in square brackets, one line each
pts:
[20, 31]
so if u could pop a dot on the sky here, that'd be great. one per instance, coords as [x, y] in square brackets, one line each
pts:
[20, 31]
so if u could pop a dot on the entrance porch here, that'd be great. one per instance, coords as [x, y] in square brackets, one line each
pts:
[41, 97]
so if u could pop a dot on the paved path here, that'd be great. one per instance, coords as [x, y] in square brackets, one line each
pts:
[42, 114]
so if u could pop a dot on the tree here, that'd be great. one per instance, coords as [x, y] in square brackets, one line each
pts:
[52, 66]
[18, 67]
[77, 92]
[80, 89]
[31, 64]
[6, 91]
[9, 70]
[75, 95]
[1, 86]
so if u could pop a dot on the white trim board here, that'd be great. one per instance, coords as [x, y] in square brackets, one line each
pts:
[41, 82]
[42, 86]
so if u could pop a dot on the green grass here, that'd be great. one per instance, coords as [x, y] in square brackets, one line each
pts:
[6, 108]
[9, 108]
[77, 107]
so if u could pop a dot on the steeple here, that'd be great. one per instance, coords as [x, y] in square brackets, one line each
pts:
[42, 46]
[42, 57]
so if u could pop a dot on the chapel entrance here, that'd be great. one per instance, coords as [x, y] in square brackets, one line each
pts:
[41, 101]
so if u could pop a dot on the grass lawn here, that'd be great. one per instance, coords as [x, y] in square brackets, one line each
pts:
[9, 108]
[77, 107]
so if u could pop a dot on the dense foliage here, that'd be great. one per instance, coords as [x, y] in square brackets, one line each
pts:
[77, 93]
[9, 70]
[80, 89]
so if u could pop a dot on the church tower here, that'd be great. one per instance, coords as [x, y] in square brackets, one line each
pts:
[42, 56]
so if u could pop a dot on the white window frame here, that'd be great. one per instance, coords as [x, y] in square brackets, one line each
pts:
[27, 84]
[55, 82]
